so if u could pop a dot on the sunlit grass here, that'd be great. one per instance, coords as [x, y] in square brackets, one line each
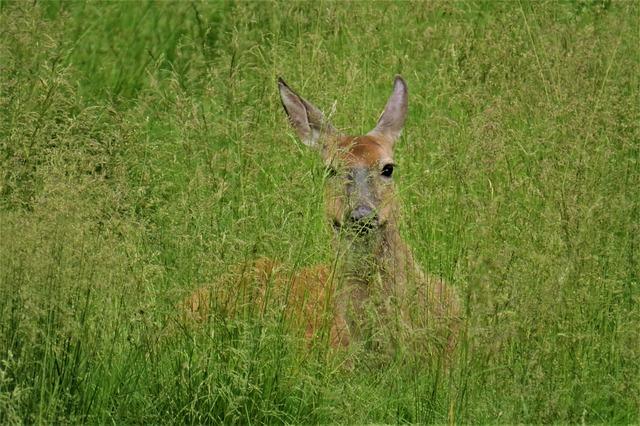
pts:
[144, 152]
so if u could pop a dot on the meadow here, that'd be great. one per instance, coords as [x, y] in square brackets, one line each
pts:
[144, 152]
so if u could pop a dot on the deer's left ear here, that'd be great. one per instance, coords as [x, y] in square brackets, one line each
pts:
[392, 119]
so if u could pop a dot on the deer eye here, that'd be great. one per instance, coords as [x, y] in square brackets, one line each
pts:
[387, 170]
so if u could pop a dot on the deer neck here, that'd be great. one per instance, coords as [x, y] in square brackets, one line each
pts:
[381, 258]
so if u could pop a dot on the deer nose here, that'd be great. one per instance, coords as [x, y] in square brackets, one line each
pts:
[363, 213]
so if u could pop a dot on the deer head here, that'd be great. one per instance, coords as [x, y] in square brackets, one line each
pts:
[359, 194]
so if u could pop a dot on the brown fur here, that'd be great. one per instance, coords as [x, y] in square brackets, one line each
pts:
[306, 297]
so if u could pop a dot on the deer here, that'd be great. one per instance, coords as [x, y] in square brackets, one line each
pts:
[374, 287]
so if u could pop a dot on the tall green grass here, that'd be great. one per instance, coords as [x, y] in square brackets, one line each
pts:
[143, 153]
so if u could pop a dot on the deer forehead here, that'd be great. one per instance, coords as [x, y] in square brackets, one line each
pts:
[363, 151]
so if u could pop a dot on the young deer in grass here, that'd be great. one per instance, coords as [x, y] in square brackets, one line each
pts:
[375, 283]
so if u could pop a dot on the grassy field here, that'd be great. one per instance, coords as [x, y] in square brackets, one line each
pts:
[144, 151]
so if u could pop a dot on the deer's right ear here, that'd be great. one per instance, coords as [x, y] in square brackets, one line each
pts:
[307, 120]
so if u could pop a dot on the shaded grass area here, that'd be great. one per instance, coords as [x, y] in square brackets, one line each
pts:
[143, 152]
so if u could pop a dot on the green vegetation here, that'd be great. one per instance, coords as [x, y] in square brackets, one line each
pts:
[143, 152]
